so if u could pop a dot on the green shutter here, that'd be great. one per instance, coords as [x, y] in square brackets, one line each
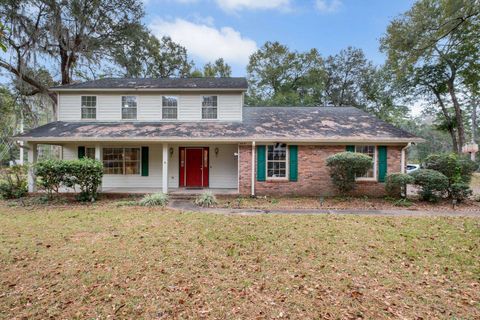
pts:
[261, 163]
[81, 152]
[293, 166]
[145, 161]
[351, 148]
[382, 163]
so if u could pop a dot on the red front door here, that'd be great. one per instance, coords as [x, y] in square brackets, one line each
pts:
[194, 167]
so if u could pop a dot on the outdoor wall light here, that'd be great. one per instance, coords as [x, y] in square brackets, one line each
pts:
[171, 152]
[216, 151]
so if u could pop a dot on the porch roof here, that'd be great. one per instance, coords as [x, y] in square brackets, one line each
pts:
[302, 124]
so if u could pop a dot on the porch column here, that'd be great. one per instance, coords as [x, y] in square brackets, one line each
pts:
[98, 156]
[165, 168]
[32, 159]
[253, 168]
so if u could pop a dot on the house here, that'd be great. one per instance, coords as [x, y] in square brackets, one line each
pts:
[173, 135]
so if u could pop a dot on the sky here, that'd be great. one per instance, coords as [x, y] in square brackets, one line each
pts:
[234, 29]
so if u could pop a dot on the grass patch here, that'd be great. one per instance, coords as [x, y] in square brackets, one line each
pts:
[108, 261]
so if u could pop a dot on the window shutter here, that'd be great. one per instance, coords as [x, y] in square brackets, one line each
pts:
[145, 161]
[81, 152]
[261, 163]
[293, 166]
[351, 148]
[382, 163]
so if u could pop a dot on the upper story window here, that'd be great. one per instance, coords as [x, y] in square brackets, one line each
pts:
[277, 161]
[209, 107]
[369, 151]
[129, 107]
[169, 107]
[89, 107]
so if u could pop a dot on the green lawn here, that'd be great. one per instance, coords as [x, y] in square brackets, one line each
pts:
[132, 262]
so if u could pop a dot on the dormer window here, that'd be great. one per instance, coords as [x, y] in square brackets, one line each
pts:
[169, 107]
[209, 107]
[129, 108]
[89, 107]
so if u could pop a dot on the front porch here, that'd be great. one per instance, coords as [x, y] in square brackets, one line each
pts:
[139, 167]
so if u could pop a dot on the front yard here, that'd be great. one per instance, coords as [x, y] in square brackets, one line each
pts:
[89, 261]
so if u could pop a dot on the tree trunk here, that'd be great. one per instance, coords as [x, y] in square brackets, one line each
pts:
[449, 119]
[474, 119]
[458, 114]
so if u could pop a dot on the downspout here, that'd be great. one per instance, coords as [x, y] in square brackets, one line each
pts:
[402, 161]
[253, 169]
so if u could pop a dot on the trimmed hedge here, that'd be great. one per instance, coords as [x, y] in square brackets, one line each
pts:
[433, 184]
[396, 184]
[345, 167]
[85, 173]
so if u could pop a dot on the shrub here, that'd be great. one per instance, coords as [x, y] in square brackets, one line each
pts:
[456, 168]
[460, 191]
[345, 167]
[206, 199]
[155, 199]
[87, 175]
[14, 182]
[396, 184]
[51, 174]
[431, 182]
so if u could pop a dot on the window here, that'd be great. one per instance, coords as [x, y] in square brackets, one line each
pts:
[369, 151]
[129, 107]
[90, 153]
[169, 107]
[277, 161]
[209, 107]
[89, 107]
[121, 160]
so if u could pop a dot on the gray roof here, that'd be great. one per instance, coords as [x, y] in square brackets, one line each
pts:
[307, 124]
[158, 83]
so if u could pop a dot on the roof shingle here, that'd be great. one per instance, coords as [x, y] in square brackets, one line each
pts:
[333, 124]
[158, 83]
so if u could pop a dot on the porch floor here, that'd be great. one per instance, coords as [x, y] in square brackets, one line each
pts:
[177, 191]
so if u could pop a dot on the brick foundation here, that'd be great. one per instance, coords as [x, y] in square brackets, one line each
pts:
[313, 174]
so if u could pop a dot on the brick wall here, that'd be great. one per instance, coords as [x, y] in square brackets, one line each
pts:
[313, 174]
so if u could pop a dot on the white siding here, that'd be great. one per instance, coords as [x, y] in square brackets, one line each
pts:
[230, 107]
[149, 106]
[223, 167]
[190, 107]
[109, 107]
[69, 107]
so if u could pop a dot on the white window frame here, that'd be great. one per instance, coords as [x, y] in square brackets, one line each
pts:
[375, 163]
[123, 160]
[122, 107]
[96, 108]
[178, 102]
[287, 163]
[216, 107]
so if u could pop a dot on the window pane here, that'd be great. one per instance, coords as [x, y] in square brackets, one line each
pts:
[277, 160]
[113, 160]
[369, 151]
[209, 107]
[129, 107]
[89, 107]
[90, 153]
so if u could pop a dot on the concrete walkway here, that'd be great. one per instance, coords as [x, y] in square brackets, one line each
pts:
[186, 205]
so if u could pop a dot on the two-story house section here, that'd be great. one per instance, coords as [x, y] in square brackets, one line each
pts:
[173, 135]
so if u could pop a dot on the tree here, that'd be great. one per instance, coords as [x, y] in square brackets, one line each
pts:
[217, 69]
[67, 34]
[441, 35]
[345, 73]
[147, 56]
[278, 75]
[3, 44]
